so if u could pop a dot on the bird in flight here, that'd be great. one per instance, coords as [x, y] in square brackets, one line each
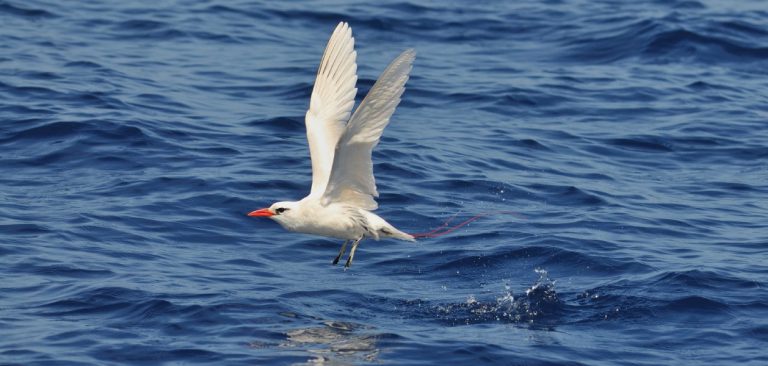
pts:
[343, 189]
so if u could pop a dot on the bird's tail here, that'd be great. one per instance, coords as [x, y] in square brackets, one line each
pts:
[397, 234]
[445, 229]
[383, 229]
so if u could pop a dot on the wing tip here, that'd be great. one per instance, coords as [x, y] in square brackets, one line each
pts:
[409, 53]
[343, 27]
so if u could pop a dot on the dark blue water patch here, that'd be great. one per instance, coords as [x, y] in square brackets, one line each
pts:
[567, 196]
[155, 354]
[146, 29]
[617, 301]
[143, 187]
[704, 280]
[761, 332]
[486, 354]
[32, 92]
[62, 143]
[399, 171]
[529, 98]
[681, 43]
[457, 184]
[739, 27]
[606, 46]
[140, 25]
[232, 10]
[84, 65]
[39, 75]
[641, 143]
[726, 189]
[123, 307]
[47, 130]
[160, 103]
[592, 264]
[24, 11]
[54, 271]
[217, 37]
[150, 29]
[701, 85]
[23, 229]
[601, 305]
[96, 99]
[661, 40]
[4, 251]
[553, 258]
[280, 124]
[696, 304]
[93, 99]
[82, 339]
[25, 111]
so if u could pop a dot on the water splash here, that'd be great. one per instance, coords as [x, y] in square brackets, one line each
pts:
[539, 304]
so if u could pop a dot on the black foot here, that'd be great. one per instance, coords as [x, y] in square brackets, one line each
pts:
[336, 261]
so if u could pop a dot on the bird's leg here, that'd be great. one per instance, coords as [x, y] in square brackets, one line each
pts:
[352, 252]
[341, 252]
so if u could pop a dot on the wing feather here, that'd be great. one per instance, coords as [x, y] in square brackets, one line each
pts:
[351, 180]
[333, 97]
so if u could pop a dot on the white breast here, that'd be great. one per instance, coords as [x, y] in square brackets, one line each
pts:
[335, 220]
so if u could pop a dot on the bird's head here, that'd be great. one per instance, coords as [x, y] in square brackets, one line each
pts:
[280, 211]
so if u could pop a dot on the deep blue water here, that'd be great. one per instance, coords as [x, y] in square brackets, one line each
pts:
[631, 139]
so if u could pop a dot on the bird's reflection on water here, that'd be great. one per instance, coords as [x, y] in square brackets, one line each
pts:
[335, 343]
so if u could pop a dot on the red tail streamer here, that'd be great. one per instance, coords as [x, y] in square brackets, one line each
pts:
[437, 232]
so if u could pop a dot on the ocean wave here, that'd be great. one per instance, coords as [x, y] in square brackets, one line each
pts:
[662, 40]
[24, 11]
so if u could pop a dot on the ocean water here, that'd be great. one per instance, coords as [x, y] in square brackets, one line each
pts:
[630, 139]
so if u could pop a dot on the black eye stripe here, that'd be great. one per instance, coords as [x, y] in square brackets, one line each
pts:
[281, 210]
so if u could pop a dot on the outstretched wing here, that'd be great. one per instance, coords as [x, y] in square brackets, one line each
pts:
[332, 100]
[351, 179]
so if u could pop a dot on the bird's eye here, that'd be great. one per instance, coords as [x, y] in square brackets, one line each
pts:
[281, 210]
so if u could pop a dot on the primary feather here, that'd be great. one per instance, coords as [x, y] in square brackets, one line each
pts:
[351, 180]
[331, 104]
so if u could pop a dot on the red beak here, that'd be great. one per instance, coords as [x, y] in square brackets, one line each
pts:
[264, 212]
